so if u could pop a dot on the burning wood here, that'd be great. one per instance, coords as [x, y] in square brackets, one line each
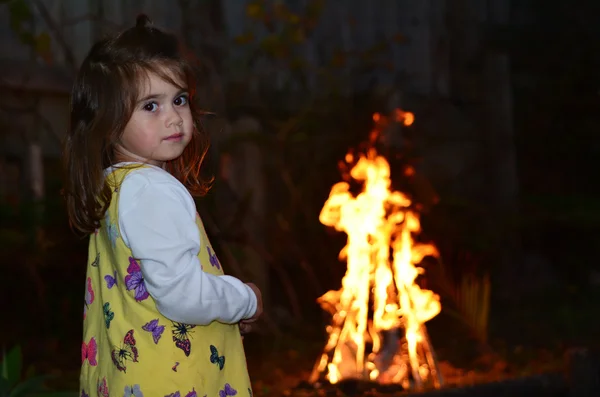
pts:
[378, 328]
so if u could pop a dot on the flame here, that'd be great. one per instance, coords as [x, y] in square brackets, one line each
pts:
[379, 293]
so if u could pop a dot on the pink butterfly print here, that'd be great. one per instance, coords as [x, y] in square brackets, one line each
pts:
[103, 388]
[181, 337]
[128, 352]
[111, 281]
[89, 296]
[155, 329]
[135, 281]
[214, 261]
[227, 391]
[88, 352]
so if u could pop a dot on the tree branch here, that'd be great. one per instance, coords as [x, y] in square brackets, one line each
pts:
[90, 17]
[58, 36]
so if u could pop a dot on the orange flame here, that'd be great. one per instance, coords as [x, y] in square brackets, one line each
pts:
[378, 292]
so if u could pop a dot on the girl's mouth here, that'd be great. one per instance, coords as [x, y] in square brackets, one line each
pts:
[175, 137]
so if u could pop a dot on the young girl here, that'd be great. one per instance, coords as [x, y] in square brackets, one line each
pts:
[160, 317]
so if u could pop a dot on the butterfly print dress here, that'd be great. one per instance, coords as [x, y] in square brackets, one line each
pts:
[130, 349]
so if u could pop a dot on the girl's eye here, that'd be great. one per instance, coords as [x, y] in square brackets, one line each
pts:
[181, 100]
[151, 107]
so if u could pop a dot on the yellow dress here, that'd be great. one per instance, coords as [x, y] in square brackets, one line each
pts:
[130, 349]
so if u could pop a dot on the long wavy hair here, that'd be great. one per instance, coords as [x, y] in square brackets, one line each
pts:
[102, 101]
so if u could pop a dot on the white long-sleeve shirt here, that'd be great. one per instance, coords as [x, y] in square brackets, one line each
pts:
[157, 219]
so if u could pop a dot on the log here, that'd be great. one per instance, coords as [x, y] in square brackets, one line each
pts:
[580, 379]
[546, 385]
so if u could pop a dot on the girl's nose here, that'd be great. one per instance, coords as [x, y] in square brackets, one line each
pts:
[174, 119]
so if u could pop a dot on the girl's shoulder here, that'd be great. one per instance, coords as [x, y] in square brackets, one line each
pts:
[140, 175]
[151, 185]
[133, 181]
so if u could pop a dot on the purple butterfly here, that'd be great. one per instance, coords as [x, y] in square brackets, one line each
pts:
[111, 281]
[214, 261]
[156, 329]
[192, 394]
[227, 391]
[84, 394]
[135, 281]
[133, 391]
[177, 394]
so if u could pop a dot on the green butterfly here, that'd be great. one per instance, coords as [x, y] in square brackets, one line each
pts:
[109, 315]
[215, 358]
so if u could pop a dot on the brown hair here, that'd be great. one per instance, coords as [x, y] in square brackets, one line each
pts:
[102, 101]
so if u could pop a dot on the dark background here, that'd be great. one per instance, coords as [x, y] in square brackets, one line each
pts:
[545, 294]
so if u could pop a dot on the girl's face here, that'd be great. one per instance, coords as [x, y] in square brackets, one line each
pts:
[160, 127]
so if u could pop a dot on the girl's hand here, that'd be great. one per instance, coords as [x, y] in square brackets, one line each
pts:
[245, 327]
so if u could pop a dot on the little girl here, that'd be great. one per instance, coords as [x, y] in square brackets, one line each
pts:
[160, 317]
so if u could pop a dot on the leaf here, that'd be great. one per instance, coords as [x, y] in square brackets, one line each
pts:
[27, 38]
[294, 19]
[254, 10]
[56, 394]
[12, 365]
[43, 46]
[244, 38]
[272, 45]
[15, 23]
[299, 137]
[399, 38]
[29, 386]
[42, 42]
[297, 63]
[3, 369]
[314, 9]
[4, 386]
[19, 9]
[298, 35]
[338, 59]
[30, 372]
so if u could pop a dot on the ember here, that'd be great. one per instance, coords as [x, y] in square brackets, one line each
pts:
[377, 331]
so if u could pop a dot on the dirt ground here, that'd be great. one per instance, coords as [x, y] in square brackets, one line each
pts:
[528, 338]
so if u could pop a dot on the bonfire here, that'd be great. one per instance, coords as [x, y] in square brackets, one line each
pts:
[378, 332]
